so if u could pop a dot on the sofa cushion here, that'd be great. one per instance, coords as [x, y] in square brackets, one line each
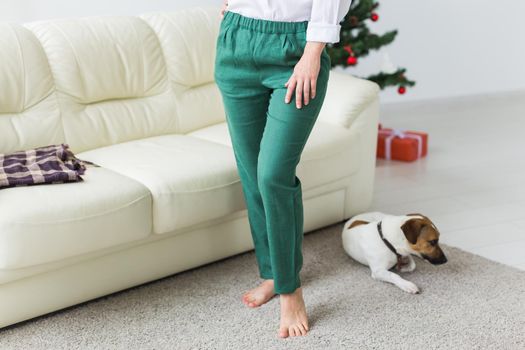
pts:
[110, 77]
[189, 63]
[191, 180]
[27, 93]
[331, 152]
[44, 223]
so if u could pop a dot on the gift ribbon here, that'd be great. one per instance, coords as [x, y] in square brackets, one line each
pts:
[399, 133]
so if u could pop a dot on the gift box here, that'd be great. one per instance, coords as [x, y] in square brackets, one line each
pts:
[404, 145]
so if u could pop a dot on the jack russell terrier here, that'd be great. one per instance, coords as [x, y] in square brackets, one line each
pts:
[382, 241]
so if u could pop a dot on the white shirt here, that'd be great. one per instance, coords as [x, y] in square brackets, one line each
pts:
[324, 16]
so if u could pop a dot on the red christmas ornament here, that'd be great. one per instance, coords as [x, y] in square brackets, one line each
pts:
[374, 16]
[401, 90]
[352, 60]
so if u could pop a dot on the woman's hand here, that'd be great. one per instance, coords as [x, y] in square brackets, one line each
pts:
[304, 77]
[223, 8]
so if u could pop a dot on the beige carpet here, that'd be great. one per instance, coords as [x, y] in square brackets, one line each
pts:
[467, 303]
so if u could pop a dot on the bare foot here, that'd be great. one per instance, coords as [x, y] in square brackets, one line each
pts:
[294, 321]
[259, 295]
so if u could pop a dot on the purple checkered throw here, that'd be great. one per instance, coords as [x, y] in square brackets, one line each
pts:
[41, 165]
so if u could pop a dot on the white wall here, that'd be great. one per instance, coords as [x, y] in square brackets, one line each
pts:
[453, 48]
[29, 10]
[449, 47]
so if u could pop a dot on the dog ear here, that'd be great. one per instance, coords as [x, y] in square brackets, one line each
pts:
[426, 219]
[417, 214]
[412, 228]
[357, 222]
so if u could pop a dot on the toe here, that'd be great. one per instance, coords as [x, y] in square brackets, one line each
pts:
[305, 325]
[292, 331]
[283, 332]
[302, 329]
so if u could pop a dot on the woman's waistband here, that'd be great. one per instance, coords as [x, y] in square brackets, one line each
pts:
[264, 25]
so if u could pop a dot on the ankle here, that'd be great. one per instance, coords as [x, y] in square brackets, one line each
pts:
[296, 293]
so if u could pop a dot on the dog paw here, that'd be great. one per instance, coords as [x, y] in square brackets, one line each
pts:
[409, 287]
[407, 268]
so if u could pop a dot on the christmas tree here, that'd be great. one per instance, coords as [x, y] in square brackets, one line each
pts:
[357, 41]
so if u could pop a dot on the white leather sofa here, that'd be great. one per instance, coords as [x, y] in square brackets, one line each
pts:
[135, 94]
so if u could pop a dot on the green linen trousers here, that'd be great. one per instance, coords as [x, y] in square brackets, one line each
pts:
[254, 59]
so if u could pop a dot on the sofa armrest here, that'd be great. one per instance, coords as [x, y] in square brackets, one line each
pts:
[346, 98]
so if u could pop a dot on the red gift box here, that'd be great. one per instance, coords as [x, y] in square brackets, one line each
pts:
[401, 145]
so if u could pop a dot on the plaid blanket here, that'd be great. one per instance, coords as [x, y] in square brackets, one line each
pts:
[41, 165]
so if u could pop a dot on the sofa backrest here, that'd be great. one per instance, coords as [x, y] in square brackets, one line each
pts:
[188, 39]
[29, 111]
[100, 80]
[110, 77]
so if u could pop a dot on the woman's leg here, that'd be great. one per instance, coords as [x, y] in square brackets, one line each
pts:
[245, 102]
[285, 135]
[246, 120]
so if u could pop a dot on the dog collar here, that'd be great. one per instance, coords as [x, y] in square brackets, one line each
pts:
[390, 246]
